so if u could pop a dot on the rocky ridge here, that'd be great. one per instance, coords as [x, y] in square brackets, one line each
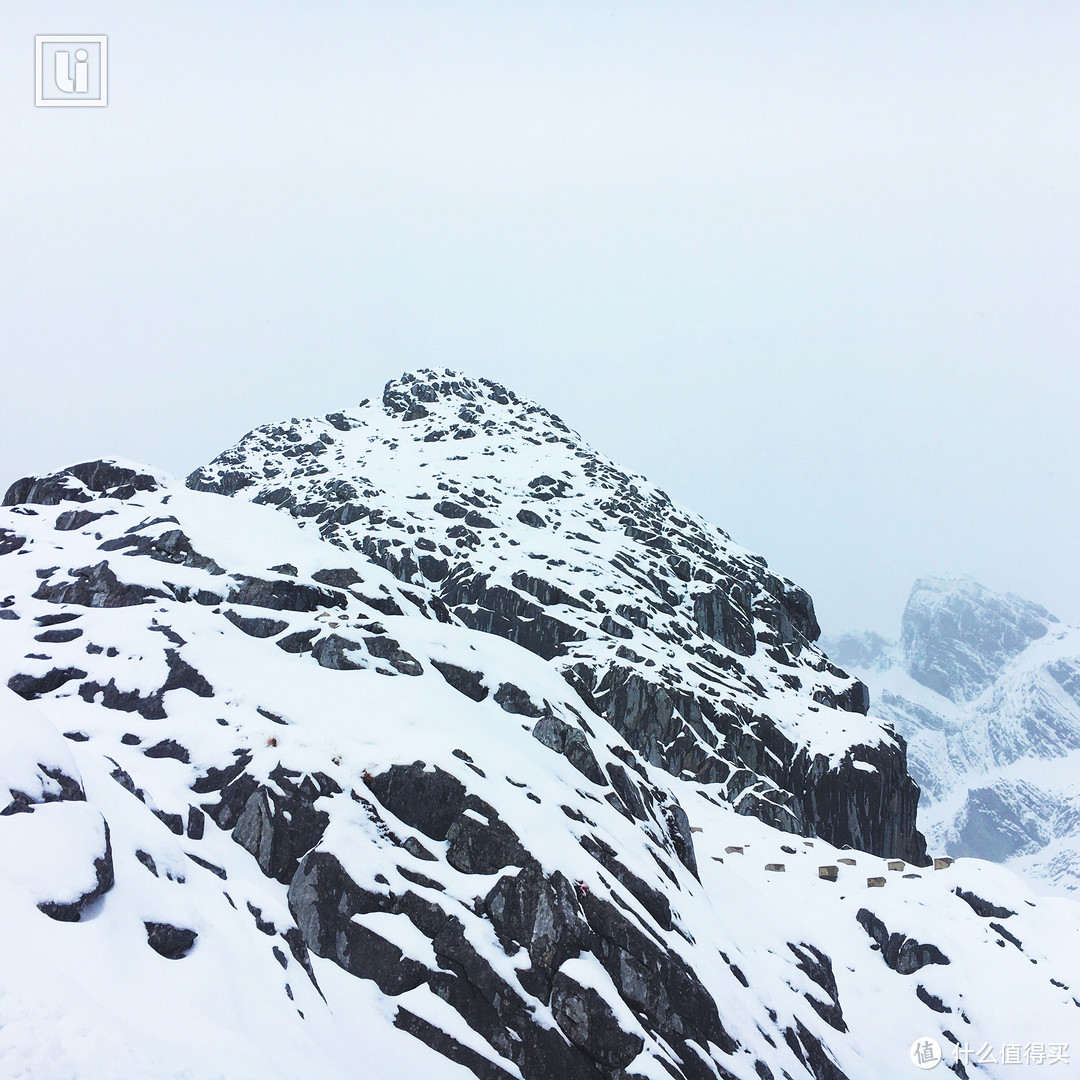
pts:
[700, 656]
[258, 794]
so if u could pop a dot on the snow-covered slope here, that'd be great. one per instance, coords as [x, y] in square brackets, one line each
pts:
[986, 690]
[699, 656]
[267, 810]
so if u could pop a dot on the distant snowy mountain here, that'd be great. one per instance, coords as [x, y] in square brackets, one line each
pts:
[481, 759]
[985, 688]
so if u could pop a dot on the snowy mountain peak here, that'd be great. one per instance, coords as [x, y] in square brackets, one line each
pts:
[958, 635]
[509, 813]
[687, 643]
[453, 396]
[985, 688]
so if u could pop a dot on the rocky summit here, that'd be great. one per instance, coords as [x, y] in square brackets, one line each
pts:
[696, 653]
[421, 740]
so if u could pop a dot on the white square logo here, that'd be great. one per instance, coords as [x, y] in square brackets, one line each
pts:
[71, 69]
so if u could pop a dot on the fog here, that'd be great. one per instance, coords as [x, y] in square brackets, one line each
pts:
[813, 269]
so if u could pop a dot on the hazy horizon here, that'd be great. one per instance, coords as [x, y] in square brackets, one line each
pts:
[815, 272]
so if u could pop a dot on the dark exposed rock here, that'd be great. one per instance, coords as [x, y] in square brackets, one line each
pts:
[616, 629]
[417, 850]
[654, 981]
[386, 648]
[544, 591]
[225, 483]
[630, 795]
[278, 828]
[10, 541]
[214, 869]
[983, 907]
[541, 914]
[149, 706]
[652, 900]
[323, 900]
[469, 683]
[332, 651]
[338, 579]
[903, 954]
[58, 637]
[259, 627]
[70, 520]
[182, 676]
[97, 587]
[817, 1059]
[855, 698]
[148, 861]
[481, 1067]
[234, 797]
[168, 748]
[79, 484]
[515, 700]
[282, 595]
[173, 822]
[931, 1001]
[297, 642]
[818, 966]
[428, 801]
[216, 778]
[571, 742]
[69, 910]
[725, 617]
[172, 546]
[999, 929]
[681, 837]
[450, 509]
[528, 517]
[33, 686]
[172, 942]
[59, 617]
[589, 1023]
[483, 846]
[70, 790]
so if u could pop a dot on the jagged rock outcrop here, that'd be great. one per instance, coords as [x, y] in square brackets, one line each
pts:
[677, 636]
[903, 954]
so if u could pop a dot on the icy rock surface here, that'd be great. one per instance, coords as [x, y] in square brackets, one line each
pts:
[701, 657]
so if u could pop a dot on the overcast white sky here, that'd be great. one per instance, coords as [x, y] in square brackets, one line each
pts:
[814, 268]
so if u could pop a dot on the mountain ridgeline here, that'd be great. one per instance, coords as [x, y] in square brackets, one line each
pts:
[697, 654]
[421, 740]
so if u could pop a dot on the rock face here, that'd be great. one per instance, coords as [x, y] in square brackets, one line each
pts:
[985, 688]
[903, 954]
[700, 656]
